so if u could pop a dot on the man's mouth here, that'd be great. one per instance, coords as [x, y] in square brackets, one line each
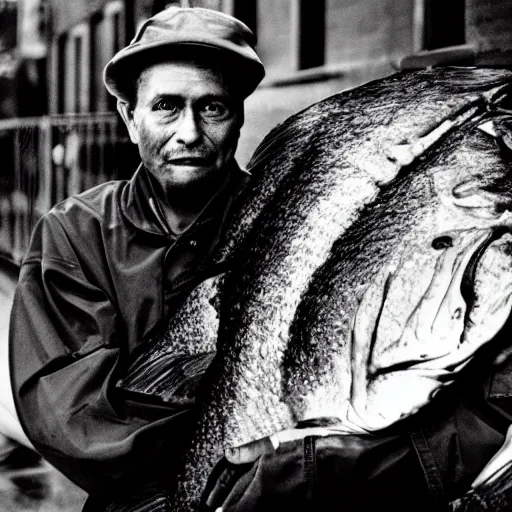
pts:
[194, 161]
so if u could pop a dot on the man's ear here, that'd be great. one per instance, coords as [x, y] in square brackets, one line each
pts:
[126, 112]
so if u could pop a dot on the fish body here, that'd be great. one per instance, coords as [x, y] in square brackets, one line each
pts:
[369, 262]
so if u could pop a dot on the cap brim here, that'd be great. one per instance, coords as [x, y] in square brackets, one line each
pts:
[131, 61]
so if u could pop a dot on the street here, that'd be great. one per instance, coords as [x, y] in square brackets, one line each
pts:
[27, 484]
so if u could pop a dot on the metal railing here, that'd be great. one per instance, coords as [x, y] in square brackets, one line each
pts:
[43, 160]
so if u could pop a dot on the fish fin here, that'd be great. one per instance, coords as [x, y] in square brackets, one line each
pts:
[488, 128]
[172, 377]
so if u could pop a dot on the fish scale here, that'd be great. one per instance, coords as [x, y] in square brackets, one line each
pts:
[265, 317]
[346, 201]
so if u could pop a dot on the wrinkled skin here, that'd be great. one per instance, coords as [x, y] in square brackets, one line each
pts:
[369, 263]
[184, 122]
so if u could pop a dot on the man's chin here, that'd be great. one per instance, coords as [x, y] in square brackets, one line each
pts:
[185, 176]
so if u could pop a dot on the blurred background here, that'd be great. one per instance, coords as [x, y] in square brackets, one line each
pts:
[60, 133]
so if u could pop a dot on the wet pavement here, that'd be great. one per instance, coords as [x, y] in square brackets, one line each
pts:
[27, 483]
[38, 489]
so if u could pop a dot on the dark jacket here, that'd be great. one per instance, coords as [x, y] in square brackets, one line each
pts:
[102, 272]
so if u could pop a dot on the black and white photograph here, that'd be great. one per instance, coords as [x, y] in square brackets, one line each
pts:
[255, 255]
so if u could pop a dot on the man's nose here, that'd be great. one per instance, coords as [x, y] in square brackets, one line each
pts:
[188, 130]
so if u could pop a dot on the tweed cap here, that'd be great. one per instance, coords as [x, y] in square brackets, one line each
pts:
[164, 37]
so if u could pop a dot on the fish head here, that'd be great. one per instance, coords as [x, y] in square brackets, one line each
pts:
[446, 294]
[398, 302]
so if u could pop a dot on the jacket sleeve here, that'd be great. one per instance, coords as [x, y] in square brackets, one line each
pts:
[65, 357]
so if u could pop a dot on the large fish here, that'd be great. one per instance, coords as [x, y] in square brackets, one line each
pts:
[369, 262]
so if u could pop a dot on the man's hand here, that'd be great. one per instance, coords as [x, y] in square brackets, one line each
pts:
[251, 451]
[233, 471]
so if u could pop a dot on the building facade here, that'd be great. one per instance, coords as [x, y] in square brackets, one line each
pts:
[311, 49]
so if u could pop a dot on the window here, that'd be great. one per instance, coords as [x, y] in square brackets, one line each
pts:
[247, 12]
[8, 21]
[78, 73]
[61, 76]
[99, 58]
[114, 16]
[77, 68]
[444, 23]
[115, 36]
[311, 34]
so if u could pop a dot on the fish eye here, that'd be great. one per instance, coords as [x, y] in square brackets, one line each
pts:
[442, 242]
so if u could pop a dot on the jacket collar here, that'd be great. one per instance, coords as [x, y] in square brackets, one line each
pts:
[140, 206]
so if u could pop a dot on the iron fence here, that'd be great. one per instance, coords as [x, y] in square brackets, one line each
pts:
[43, 160]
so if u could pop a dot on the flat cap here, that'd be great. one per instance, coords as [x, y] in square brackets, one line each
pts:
[165, 35]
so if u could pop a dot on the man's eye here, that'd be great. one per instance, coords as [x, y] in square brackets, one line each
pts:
[166, 105]
[215, 109]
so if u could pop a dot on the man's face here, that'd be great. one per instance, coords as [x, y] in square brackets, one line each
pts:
[185, 122]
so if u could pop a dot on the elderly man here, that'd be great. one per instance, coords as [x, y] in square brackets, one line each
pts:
[107, 267]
